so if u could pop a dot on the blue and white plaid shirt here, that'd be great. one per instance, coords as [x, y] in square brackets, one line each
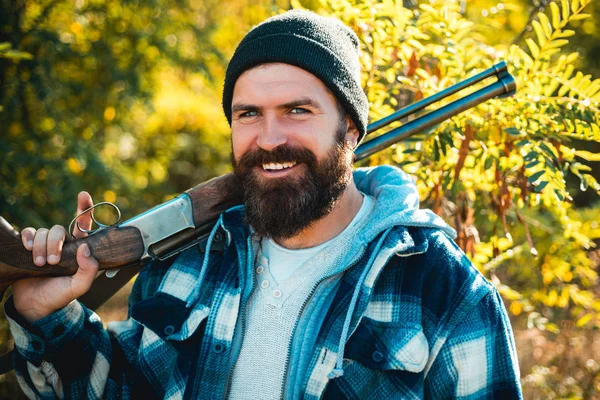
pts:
[423, 323]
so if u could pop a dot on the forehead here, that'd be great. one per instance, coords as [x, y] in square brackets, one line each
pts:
[279, 82]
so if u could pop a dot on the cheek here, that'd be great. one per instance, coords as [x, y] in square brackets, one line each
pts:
[240, 142]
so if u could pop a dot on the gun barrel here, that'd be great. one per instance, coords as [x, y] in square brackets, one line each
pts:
[505, 86]
[498, 70]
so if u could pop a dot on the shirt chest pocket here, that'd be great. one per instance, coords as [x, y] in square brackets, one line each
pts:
[384, 346]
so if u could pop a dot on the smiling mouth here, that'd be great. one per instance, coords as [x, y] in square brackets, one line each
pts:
[273, 167]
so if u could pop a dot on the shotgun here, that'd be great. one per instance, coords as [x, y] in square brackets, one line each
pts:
[178, 224]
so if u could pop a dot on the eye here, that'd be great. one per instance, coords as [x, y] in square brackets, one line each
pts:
[299, 110]
[248, 114]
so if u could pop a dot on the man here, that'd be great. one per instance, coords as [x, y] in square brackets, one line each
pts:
[327, 283]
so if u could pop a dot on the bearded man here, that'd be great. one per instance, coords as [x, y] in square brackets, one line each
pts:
[328, 282]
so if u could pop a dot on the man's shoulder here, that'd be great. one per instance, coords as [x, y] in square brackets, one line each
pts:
[433, 273]
[434, 255]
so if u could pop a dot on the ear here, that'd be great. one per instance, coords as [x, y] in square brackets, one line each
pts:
[351, 132]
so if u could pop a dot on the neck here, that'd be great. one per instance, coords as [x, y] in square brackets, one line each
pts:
[329, 226]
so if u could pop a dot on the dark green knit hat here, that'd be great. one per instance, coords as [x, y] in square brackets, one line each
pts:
[325, 47]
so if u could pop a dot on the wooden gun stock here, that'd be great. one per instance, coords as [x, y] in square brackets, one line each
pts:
[116, 246]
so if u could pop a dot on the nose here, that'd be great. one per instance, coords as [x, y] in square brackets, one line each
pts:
[271, 135]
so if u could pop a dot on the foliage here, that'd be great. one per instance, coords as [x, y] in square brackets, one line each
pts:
[122, 98]
[497, 172]
[119, 98]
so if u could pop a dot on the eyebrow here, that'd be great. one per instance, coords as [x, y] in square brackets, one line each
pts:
[244, 107]
[302, 101]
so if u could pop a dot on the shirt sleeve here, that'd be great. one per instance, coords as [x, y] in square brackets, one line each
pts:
[479, 358]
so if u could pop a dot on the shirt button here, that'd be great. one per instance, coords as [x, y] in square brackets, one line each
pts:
[218, 348]
[277, 293]
[169, 330]
[264, 284]
[260, 269]
[377, 356]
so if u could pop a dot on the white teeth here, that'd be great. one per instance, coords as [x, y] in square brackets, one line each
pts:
[278, 166]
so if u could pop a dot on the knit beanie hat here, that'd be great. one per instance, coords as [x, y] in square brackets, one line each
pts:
[323, 46]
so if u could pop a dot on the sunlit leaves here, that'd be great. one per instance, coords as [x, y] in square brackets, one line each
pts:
[6, 51]
[514, 172]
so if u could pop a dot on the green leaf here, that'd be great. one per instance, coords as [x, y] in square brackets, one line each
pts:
[547, 150]
[531, 155]
[522, 143]
[513, 131]
[545, 24]
[539, 187]
[555, 15]
[535, 176]
[535, 50]
[532, 164]
[488, 163]
[549, 163]
[4, 46]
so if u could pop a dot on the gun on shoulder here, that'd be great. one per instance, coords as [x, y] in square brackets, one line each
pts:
[185, 221]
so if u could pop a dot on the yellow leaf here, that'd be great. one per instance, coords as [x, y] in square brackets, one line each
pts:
[537, 27]
[572, 57]
[74, 166]
[584, 320]
[580, 16]
[574, 5]
[566, 11]
[110, 196]
[516, 308]
[535, 50]
[588, 155]
[555, 15]
[110, 113]
[545, 24]
[563, 300]
[557, 43]
[547, 276]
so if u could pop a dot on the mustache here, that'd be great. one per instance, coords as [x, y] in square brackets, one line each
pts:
[280, 154]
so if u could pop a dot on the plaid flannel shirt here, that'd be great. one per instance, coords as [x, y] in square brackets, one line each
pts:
[426, 324]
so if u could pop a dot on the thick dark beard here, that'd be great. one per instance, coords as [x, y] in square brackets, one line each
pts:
[283, 207]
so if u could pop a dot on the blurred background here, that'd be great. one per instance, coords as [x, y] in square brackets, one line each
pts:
[122, 99]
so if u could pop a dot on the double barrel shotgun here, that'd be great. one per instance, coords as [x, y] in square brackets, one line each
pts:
[185, 221]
